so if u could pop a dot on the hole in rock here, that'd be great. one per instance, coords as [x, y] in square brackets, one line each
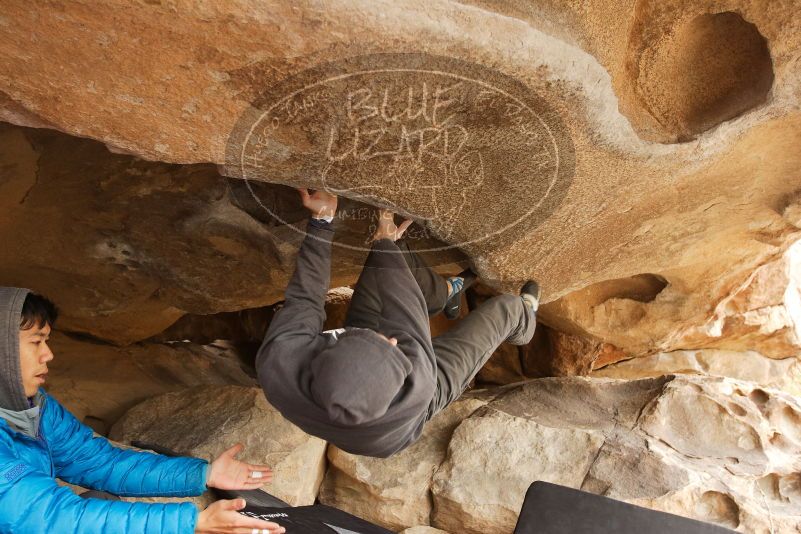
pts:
[759, 397]
[718, 508]
[736, 409]
[640, 287]
[709, 70]
[790, 488]
[769, 484]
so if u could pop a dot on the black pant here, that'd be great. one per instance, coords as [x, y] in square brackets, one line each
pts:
[465, 348]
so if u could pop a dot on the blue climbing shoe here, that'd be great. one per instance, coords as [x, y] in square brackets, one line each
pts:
[459, 284]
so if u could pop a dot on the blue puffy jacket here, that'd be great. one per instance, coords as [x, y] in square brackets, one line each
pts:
[31, 502]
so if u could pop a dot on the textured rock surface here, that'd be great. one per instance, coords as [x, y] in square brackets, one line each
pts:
[764, 312]
[126, 247]
[393, 492]
[98, 383]
[761, 310]
[749, 366]
[207, 420]
[713, 449]
[644, 155]
[492, 461]
[175, 79]
[719, 450]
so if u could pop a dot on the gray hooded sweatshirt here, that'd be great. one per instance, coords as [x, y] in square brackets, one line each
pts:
[351, 388]
[16, 409]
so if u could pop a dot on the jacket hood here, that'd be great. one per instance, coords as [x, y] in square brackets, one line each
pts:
[12, 393]
[356, 379]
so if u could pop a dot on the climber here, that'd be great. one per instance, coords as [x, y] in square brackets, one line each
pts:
[41, 441]
[369, 387]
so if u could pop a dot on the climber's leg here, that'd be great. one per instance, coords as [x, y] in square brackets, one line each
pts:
[433, 286]
[463, 350]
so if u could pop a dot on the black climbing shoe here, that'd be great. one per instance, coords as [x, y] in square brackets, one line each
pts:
[530, 292]
[454, 302]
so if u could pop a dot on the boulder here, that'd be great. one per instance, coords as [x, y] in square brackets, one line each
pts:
[762, 313]
[715, 449]
[643, 148]
[757, 309]
[206, 420]
[394, 492]
[99, 382]
[750, 366]
[493, 458]
[127, 247]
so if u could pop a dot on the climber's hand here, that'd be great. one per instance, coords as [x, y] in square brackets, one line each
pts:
[320, 203]
[222, 517]
[386, 226]
[226, 472]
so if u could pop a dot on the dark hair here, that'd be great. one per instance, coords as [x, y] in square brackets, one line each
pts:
[37, 310]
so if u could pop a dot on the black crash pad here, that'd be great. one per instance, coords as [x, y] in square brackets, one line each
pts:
[314, 519]
[553, 509]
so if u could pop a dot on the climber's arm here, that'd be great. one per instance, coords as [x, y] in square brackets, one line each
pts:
[301, 318]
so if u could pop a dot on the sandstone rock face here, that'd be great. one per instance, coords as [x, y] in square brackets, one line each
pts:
[656, 141]
[764, 312]
[489, 498]
[126, 247]
[749, 366]
[205, 421]
[761, 312]
[393, 492]
[715, 449]
[98, 382]
[707, 445]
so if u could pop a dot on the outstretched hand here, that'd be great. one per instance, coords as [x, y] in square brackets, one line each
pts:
[222, 517]
[226, 472]
[320, 203]
[386, 226]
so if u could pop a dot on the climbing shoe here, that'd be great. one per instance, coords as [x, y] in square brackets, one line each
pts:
[459, 284]
[530, 293]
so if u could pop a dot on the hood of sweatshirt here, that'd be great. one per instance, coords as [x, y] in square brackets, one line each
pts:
[19, 412]
[356, 379]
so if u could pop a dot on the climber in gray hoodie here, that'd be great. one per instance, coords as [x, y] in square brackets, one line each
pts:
[369, 387]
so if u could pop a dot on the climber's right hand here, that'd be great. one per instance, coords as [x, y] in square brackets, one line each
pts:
[221, 517]
[320, 203]
[387, 228]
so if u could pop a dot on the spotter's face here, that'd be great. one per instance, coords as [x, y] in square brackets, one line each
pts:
[34, 355]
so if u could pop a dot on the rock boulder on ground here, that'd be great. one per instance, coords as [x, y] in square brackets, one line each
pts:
[718, 450]
[750, 366]
[99, 382]
[394, 492]
[205, 421]
[715, 449]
